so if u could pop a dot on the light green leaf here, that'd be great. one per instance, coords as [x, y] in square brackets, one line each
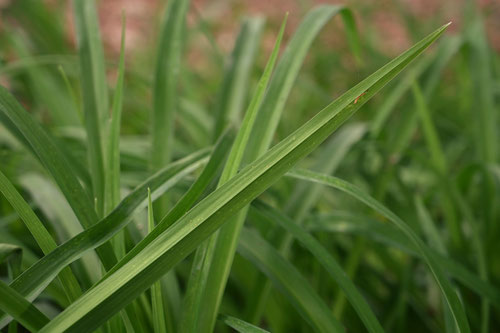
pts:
[240, 325]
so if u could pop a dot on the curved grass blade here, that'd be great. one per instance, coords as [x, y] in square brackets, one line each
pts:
[18, 307]
[33, 280]
[39, 233]
[94, 92]
[210, 271]
[280, 87]
[302, 200]
[159, 324]
[12, 254]
[240, 326]
[113, 147]
[236, 80]
[112, 171]
[427, 254]
[289, 281]
[391, 236]
[487, 130]
[262, 211]
[174, 244]
[285, 75]
[438, 160]
[14, 67]
[434, 64]
[126, 208]
[18, 121]
[46, 88]
[166, 81]
[187, 200]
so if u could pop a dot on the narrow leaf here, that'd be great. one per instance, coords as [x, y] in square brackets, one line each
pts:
[210, 270]
[94, 92]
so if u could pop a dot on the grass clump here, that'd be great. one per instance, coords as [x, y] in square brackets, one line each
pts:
[272, 207]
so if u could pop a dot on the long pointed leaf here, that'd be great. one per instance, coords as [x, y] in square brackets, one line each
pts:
[94, 92]
[209, 273]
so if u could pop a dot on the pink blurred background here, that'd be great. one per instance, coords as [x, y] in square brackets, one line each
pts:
[378, 17]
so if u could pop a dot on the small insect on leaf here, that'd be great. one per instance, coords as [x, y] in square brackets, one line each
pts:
[357, 98]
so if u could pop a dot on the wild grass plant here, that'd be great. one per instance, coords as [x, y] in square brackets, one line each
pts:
[137, 204]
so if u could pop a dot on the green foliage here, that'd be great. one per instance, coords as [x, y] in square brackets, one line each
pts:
[247, 233]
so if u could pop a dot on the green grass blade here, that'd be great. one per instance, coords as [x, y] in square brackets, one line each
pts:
[302, 199]
[289, 281]
[433, 64]
[171, 246]
[184, 204]
[159, 323]
[166, 82]
[210, 272]
[240, 326]
[428, 255]
[430, 133]
[262, 211]
[328, 160]
[284, 77]
[438, 161]
[429, 227]
[389, 103]
[352, 34]
[487, 126]
[21, 123]
[112, 172]
[113, 147]
[52, 158]
[18, 307]
[32, 281]
[47, 88]
[94, 92]
[236, 80]
[40, 233]
[389, 235]
[12, 254]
